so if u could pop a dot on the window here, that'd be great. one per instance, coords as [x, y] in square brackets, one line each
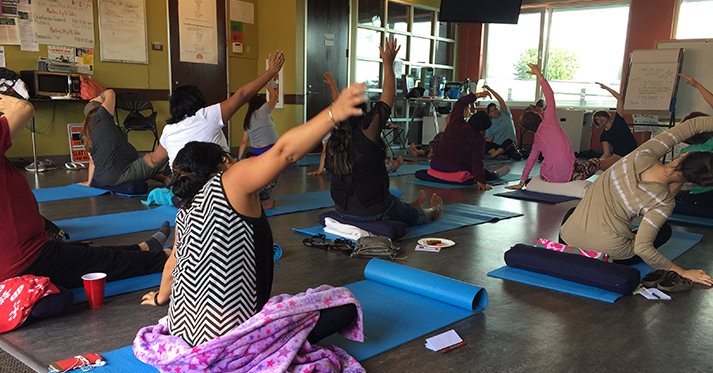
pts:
[427, 46]
[572, 61]
[694, 19]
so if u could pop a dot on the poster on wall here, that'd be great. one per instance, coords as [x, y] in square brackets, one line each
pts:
[61, 54]
[9, 32]
[276, 83]
[197, 31]
[84, 59]
[63, 22]
[24, 22]
[9, 7]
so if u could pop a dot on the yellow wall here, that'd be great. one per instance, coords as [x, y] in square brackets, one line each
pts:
[278, 23]
[51, 118]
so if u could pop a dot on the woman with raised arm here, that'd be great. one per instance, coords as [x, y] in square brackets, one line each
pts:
[26, 248]
[639, 185]
[112, 159]
[221, 268]
[617, 139]
[191, 120]
[355, 158]
[500, 137]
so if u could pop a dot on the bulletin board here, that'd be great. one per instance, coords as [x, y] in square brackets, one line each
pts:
[697, 64]
[122, 31]
[66, 23]
[652, 80]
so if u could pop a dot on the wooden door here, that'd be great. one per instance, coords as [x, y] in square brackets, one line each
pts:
[326, 49]
[211, 79]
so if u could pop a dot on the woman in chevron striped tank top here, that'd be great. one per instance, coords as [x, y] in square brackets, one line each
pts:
[220, 271]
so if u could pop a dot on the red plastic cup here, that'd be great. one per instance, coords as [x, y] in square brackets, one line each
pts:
[94, 287]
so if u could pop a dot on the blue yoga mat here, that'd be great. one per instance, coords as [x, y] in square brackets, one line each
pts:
[122, 286]
[690, 219]
[307, 161]
[402, 303]
[67, 192]
[679, 243]
[90, 227]
[122, 361]
[307, 201]
[418, 303]
[454, 216]
[536, 196]
[407, 169]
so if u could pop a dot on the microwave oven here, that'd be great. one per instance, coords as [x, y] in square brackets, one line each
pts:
[48, 84]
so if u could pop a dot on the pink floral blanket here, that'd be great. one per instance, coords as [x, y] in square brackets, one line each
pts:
[274, 340]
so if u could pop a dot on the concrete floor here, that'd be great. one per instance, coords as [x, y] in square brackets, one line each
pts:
[523, 328]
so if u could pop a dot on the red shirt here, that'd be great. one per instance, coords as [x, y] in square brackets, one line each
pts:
[22, 229]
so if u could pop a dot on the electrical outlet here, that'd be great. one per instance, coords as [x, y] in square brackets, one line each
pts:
[247, 48]
[156, 46]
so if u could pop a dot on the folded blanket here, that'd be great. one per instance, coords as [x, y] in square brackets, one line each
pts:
[345, 230]
[550, 245]
[458, 177]
[274, 340]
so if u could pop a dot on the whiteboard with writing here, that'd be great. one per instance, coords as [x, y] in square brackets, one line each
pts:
[122, 31]
[63, 22]
[697, 64]
[652, 81]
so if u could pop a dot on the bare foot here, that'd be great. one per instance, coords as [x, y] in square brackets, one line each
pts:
[502, 171]
[433, 211]
[412, 148]
[391, 160]
[399, 161]
[419, 200]
[268, 203]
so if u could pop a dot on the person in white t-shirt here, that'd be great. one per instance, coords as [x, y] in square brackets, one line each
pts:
[191, 120]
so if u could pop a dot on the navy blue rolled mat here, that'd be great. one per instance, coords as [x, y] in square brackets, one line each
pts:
[536, 196]
[613, 277]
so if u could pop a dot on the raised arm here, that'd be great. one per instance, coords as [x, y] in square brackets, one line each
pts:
[229, 107]
[617, 95]
[329, 79]
[707, 95]
[551, 110]
[388, 54]
[501, 102]
[244, 179]
[663, 143]
[273, 96]
[17, 112]
[108, 100]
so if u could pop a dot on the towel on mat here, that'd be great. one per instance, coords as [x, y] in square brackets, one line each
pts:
[159, 196]
[274, 340]
[550, 245]
[458, 177]
[345, 230]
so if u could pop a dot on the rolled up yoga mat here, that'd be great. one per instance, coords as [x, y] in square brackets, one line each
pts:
[402, 303]
[612, 277]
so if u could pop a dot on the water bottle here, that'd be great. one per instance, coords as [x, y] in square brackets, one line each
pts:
[466, 87]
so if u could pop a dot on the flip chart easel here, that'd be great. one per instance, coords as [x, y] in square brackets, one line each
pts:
[652, 81]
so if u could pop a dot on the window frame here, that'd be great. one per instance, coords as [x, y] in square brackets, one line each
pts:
[410, 35]
[546, 12]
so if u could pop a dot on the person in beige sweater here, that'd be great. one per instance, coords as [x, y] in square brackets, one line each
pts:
[639, 185]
